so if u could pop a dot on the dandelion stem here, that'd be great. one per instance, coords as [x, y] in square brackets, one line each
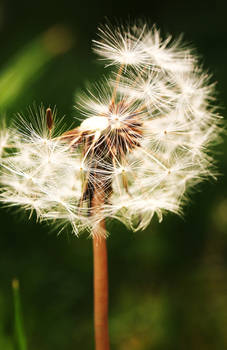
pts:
[100, 279]
[117, 82]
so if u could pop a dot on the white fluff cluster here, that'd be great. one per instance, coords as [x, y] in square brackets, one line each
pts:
[144, 142]
[39, 173]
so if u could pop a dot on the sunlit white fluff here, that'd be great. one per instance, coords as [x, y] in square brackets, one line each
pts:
[143, 141]
[121, 45]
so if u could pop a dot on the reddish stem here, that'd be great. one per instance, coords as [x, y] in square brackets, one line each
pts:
[100, 292]
[100, 281]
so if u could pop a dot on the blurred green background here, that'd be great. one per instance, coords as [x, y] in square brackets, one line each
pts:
[168, 285]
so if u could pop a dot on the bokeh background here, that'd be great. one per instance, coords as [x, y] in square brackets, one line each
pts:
[168, 285]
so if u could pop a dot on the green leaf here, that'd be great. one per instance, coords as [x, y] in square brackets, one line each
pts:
[21, 342]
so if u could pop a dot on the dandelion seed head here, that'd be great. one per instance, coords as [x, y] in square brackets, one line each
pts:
[144, 139]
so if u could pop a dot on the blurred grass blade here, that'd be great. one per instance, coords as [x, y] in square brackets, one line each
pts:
[21, 342]
[28, 62]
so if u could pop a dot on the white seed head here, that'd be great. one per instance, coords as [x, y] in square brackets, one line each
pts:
[143, 143]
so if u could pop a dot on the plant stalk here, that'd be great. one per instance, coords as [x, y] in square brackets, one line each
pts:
[100, 279]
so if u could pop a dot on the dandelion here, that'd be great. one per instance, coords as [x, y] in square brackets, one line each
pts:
[142, 144]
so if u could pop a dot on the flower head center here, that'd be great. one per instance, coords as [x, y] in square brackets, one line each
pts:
[115, 121]
[96, 123]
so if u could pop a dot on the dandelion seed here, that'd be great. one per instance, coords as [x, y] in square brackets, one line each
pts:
[121, 46]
